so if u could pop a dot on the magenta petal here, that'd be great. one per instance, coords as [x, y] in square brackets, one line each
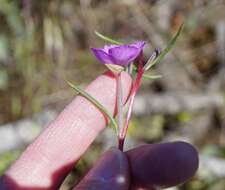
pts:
[102, 56]
[139, 44]
[108, 47]
[123, 55]
[118, 54]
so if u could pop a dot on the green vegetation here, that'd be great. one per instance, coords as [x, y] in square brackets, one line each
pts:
[45, 43]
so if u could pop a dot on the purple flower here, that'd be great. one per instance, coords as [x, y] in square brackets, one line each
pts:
[118, 54]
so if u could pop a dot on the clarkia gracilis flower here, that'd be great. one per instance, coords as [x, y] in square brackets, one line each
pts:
[120, 55]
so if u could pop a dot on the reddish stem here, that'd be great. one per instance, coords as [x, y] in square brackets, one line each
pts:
[134, 90]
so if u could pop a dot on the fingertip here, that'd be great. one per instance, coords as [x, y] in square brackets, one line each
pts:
[110, 172]
[164, 165]
[125, 78]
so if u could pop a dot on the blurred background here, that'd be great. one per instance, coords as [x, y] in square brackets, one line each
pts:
[42, 43]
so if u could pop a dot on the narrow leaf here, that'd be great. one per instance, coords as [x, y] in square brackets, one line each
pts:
[108, 39]
[167, 49]
[152, 77]
[96, 103]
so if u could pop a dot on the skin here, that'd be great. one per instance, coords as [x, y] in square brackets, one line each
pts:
[48, 160]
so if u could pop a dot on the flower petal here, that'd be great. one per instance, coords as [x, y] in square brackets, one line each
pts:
[123, 55]
[102, 56]
[138, 44]
[108, 47]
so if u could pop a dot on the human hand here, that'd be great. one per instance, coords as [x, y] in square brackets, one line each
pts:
[47, 161]
[145, 167]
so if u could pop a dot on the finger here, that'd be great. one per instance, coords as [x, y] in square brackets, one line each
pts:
[111, 172]
[162, 165]
[49, 158]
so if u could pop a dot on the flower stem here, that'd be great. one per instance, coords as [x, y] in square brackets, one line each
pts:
[134, 90]
[119, 102]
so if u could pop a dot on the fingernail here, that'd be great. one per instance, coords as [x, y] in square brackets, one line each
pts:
[110, 172]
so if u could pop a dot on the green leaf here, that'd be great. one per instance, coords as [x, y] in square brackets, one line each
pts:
[96, 103]
[146, 76]
[152, 77]
[166, 50]
[108, 39]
